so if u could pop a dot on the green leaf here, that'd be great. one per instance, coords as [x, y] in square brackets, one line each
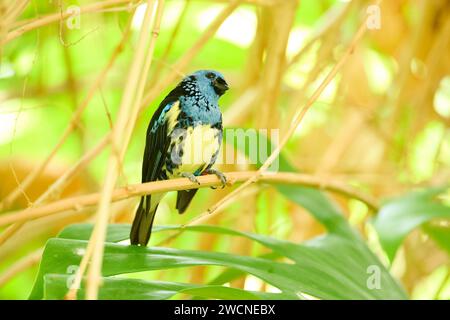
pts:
[62, 255]
[114, 288]
[232, 274]
[115, 232]
[56, 287]
[320, 206]
[226, 293]
[82, 231]
[440, 234]
[329, 267]
[400, 216]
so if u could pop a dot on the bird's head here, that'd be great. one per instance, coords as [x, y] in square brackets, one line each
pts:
[210, 81]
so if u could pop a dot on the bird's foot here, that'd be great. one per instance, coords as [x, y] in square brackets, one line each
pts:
[190, 176]
[220, 175]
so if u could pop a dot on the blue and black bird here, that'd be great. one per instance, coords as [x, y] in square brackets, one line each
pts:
[183, 140]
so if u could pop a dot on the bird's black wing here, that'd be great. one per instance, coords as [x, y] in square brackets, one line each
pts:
[158, 140]
[156, 148]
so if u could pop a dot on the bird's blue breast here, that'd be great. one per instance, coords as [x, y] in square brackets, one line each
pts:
[198, 110]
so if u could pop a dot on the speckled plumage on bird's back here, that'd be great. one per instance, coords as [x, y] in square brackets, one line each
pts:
[183, 139]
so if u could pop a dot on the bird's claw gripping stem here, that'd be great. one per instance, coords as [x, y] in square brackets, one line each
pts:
[220, 175]
[190, 176]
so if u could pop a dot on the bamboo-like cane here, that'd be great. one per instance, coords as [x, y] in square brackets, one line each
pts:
[80, 202]
[121, 134]
[55, 17]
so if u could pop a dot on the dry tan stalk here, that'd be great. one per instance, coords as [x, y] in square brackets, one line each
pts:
[55, 17]
[95, 7]
[58, 186]
[324, 54]
[41, 228]
[255, 55]
[140, 89]
[72, 293]
[329, 24]
[88, 200]
[419, 35]
[435, 70]
[280, 20]
[10, 231]
[171, 43]
[341, 141]
[21, 265]
[15, 10]
[296, 120]
[127, 115]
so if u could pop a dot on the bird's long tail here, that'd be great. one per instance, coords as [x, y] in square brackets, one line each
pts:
[184, 198]
[143, 221]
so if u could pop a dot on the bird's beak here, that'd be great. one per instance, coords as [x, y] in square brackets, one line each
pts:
[220, 86]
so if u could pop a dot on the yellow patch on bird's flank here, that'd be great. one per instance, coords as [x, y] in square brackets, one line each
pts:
[199, 146]
[155, 200]
[172, 115]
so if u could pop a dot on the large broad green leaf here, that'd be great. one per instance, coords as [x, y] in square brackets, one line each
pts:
[320, 206]
[62, 255]
[115, 232]
[232, 274]
[329, 267]
[400, 216]
[82, 231]
[114, 288]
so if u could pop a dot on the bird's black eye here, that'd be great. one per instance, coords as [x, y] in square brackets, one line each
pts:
[210, 75]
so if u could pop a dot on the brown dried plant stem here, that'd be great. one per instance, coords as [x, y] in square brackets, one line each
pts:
[121, 134]
[163, 58]
[55, 17]
[14, 11]
[328, 24]
[21, 265]
[295, 123]
[288, 178]
[280, 21]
